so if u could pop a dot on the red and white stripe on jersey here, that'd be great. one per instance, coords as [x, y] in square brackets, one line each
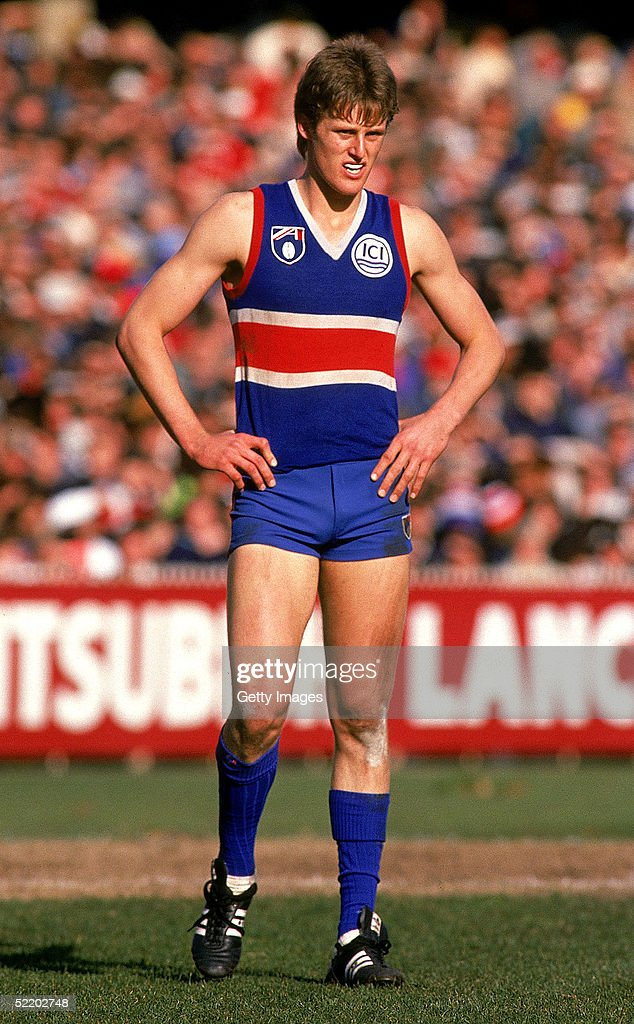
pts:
[287, 349]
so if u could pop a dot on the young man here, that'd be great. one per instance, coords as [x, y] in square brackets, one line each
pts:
[316, 274]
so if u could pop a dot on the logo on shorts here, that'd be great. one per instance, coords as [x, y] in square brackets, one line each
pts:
[288, 244]
[372, 256]
[406, 520]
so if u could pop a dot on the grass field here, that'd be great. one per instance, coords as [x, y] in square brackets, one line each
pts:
[534, 958]
[479, 799]
[483, 959]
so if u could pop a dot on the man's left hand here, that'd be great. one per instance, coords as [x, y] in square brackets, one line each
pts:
[409, 457]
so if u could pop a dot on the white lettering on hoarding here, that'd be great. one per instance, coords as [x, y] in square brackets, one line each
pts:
[159, 663]
[568, 669]
[32, 628]
[82, 657]
[557, 638]
[189, 687]
[76, 666]
[614, 633]
[135, 655]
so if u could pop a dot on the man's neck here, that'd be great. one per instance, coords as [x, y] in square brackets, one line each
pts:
[332, 211]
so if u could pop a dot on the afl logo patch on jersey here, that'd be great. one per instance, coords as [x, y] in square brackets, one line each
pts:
[372, 256]
[288, 244]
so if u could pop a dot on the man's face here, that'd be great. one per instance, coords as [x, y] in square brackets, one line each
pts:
[342, 151]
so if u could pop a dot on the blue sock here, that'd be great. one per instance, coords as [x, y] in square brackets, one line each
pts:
[242, 792]
[359, 822]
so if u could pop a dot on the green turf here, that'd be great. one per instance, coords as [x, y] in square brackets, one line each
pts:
[476, 960]
[486, 799]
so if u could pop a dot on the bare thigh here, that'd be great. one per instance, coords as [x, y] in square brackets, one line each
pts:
[271, 594]
[364, 606]
[364, 603]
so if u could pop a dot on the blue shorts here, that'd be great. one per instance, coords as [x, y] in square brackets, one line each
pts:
[331, 512]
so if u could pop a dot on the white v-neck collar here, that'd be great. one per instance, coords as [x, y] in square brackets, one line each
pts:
[333, 249]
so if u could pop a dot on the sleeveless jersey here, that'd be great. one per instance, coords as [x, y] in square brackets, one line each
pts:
[315, 325]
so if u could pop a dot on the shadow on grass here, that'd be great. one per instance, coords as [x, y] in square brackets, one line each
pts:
[63, 958]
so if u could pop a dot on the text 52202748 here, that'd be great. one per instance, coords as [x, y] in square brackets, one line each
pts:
[22, 1002]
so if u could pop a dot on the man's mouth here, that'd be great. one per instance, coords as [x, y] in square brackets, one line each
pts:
[353, 168]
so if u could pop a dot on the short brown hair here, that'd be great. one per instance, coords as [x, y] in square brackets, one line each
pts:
[347, 73]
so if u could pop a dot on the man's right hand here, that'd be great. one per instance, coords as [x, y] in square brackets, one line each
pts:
[237, 455]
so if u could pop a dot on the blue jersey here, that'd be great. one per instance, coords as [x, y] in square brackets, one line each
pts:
[315, 326]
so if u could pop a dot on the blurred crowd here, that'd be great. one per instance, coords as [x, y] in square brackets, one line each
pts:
[111, 143]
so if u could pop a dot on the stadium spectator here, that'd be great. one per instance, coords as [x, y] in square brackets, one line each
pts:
[111, 141]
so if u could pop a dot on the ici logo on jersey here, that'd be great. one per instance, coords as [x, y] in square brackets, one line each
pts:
[372, 256]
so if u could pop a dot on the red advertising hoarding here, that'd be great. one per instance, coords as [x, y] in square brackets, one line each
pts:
[136, 669]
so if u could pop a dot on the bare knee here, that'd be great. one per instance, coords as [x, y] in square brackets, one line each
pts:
[362, 739]
[250, 738]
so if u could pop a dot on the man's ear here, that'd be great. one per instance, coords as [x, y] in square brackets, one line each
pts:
[303, 130]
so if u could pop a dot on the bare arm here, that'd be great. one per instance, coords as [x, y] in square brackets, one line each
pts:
[421, 439]
[216, 246]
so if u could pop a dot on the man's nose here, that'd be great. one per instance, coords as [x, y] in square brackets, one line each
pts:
[359, 145]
